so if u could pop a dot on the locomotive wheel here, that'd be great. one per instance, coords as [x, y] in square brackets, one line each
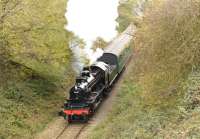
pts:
[69, 119]
[91, 111]
[106, 92]
[60, 113]
[85, 118]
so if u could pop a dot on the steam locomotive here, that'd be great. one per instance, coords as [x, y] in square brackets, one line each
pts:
[96, 80]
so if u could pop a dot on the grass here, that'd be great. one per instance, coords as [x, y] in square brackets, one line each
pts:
[160, 96]
[146, 116]
[137, 115]
[27, 106]
[29, 100]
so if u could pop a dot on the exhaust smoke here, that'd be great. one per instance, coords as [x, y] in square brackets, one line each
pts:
[90, 19]
[93, 55]
[87, 19]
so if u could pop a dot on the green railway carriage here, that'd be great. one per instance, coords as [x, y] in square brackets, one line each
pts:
[124, 57]
[117, 54]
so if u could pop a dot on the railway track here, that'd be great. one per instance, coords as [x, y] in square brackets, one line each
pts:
[60, 134]
[72, 131]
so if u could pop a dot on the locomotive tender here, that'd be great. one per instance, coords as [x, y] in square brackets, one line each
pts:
[96, 80]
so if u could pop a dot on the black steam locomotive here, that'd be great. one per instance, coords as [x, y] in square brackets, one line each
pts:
[96, 80]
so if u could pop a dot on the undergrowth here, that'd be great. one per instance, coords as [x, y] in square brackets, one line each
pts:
[28, 104]
[35, 65]
[160, 96]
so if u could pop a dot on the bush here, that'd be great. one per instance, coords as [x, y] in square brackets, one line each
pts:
[13, 93]
[167, 54]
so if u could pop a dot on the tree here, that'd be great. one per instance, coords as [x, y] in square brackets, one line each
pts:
[34, 34]
[99, 43]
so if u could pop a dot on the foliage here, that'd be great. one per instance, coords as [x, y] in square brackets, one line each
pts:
[161, 99]
[192, 95]
[76, 41]
[35, 65]
[133, 116]
[99, 43]
[33, 31]
[126, 13]
[24, 107]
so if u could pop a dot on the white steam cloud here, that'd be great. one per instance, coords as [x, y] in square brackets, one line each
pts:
[90, 19]
[78, 61]
[93, 55]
